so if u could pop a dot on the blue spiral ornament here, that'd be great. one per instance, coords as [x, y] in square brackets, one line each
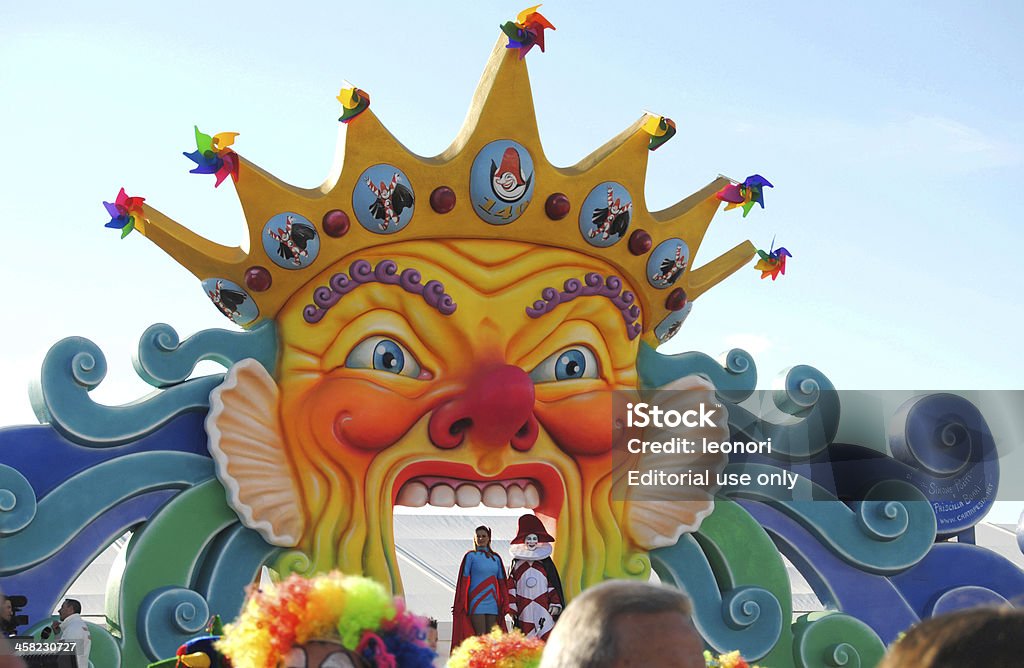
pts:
[744, 607]
[168, 617]
[734, 382]
[884, 514]
[738, 362]
[74, 505]
[804, 393]
[891, 530]
[800, 388]
[940, 433]
[73, 367]
[162, 360]
[17, 502]
[746, 617]
[949, 448]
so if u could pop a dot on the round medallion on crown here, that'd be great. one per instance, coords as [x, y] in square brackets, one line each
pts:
[667, 263]
[501, 182]
[605, 214]
[383, 199]
[670, 326]
[231, 300]
[290, 240]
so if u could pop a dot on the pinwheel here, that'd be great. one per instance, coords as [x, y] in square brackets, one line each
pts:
[526, 31]
[353, 102]
[773, 262]
[213, 155]
[124, 211]
[744, 194]
[661, 130]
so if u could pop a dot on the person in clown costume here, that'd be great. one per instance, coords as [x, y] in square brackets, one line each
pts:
[535, 589]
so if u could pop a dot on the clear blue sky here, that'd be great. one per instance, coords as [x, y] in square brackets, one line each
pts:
[893, 133]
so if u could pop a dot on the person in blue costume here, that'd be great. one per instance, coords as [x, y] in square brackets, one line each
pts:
[481, 591]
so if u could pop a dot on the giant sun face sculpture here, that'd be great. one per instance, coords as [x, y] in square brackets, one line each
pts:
[441, 353]
[388, 401]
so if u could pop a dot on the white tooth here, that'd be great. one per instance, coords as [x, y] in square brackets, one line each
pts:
[467, 496]
[495, 496]
[414, 494]
[532, 496]
[516, 498]
[442, 495]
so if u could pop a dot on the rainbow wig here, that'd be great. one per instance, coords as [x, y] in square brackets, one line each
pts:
[354, 611]
[498, 650]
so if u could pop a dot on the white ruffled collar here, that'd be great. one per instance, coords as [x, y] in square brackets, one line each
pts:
[520, 551]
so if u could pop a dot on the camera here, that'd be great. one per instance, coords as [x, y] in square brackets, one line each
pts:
[10, 628]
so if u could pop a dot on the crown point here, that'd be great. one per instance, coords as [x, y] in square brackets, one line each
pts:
[557, 206]
[335, 223]
[258, 279]
[640, 242]
[676, 300]
[442, 199]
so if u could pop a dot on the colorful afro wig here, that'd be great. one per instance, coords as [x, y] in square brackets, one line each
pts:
[498, 650]
[355, 612]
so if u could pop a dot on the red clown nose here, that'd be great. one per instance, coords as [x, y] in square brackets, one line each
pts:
[495, 408]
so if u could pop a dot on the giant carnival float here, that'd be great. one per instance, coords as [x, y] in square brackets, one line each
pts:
[417, 326]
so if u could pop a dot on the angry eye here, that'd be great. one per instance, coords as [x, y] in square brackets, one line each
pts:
[383, 354]
[569, 364]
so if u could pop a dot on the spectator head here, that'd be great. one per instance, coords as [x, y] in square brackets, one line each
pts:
[981, 637]
[8, 660]
[482, 537]
[432, 633]
[623, 622]
[68, 608]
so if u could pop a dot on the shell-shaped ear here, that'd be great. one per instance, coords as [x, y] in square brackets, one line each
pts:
[247, 445]
[652, 522]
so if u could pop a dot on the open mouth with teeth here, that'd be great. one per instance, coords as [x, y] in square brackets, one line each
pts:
[437, 503]
[449, 492]
[527, 486]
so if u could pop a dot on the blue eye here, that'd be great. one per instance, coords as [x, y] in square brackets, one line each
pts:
[569, 364]
[383, 354]
[388, 356]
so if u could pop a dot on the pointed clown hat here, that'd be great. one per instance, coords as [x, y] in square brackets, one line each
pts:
[531, 524]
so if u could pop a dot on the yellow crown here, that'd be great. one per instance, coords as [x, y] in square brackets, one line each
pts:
[493, 182]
